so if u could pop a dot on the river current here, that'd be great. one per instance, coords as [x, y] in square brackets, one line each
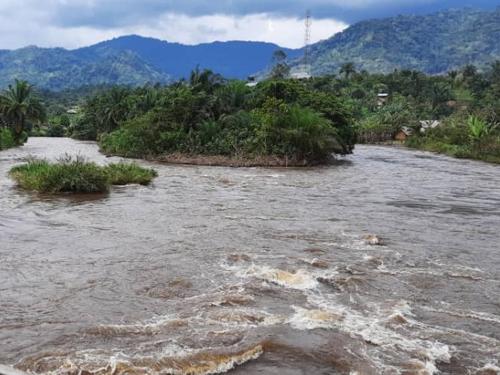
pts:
[255, 271]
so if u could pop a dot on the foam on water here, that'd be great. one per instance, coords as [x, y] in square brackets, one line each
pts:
[305, 319]
[244, 318]
[300, 279]
[374, 330]
[176, 362]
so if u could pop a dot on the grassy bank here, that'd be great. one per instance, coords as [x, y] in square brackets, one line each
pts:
[76, 175]
[492, 155]
[8, 139]
[461, 137]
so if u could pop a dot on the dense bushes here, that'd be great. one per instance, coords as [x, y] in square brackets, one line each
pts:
[210, 116]
[6, 139]
[461, 136]
[129, 173]
[382, 125]
[78, 176]
[301, 121]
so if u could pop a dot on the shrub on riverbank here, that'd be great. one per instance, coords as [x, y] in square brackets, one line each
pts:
[461, 136]
[77, 176]
[6, 139]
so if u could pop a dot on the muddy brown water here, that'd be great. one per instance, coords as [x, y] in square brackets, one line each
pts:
[255, 271]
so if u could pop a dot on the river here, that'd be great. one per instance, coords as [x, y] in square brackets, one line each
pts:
[255, 271]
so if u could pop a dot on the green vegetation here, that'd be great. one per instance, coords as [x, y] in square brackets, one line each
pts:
[465, 105]
[77, 176]
[434, 43]
[208, 115]
[279, 121]
[129, 173]
[19, 106]
[297, 122]
[58, 69]
[6, 139]
[462, 137]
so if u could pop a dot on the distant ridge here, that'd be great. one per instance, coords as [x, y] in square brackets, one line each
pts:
[434, 43]
[233, 59]
[132, 60]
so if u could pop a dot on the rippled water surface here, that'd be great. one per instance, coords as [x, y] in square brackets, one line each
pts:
[256, 271]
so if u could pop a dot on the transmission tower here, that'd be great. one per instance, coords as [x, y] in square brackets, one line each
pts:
[307, 42]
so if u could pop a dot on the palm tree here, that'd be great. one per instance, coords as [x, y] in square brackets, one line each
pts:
[348, 69]
[469, 71]
[18, 104]
[205, 80]
[452, 75]
[115, 108]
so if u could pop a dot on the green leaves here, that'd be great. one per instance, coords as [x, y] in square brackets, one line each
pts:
[18, 104]
[478, 128]
[75, 175]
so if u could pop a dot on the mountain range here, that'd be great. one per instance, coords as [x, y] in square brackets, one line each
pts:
[433, 43]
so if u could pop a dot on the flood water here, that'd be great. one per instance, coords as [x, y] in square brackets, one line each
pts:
[255, 271]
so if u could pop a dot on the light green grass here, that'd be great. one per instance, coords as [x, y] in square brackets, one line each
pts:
[76, 175]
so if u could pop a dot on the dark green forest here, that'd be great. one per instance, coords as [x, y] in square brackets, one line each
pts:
[279, 121]
[434, 43]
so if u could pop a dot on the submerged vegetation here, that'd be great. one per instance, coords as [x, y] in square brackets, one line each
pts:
[77, 176]
[129, 173]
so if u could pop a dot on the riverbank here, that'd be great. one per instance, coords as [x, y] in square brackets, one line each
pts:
[7, 139]
[489, 154]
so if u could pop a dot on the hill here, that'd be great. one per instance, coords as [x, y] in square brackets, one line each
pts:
[57, 68]
[132, 60]
[433, 43]
[233, 59]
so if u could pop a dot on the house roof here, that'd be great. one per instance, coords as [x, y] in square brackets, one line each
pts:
[426, 124]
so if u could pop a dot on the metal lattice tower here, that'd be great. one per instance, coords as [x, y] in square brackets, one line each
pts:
[307, 42]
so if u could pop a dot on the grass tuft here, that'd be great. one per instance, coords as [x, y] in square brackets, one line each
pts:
[76, 175]
[129, 173]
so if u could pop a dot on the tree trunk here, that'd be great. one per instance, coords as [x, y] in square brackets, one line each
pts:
[19, 128]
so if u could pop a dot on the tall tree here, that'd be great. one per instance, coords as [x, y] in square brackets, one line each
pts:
[348, 69]
[19, 104]
[281, 69]
[205, 80]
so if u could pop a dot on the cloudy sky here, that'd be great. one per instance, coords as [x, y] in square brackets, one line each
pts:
[75, 23]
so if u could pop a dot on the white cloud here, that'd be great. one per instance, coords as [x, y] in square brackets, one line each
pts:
[287, 32]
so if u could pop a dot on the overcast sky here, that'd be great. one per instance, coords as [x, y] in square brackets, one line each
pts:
[76, 23]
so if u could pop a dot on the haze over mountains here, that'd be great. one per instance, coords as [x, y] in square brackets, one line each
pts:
[432, 43]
